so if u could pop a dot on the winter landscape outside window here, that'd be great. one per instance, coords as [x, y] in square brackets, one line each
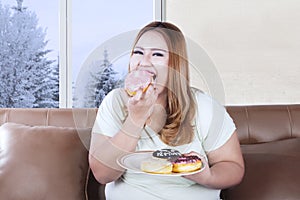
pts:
[28, 64]
[30, 44]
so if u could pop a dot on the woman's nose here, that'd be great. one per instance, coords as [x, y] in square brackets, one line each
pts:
[145, 61]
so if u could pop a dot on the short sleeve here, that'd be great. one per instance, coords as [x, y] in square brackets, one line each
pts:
[213, 123]
[110, 115]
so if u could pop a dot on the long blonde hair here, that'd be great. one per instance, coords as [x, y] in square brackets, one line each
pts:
[180, 109]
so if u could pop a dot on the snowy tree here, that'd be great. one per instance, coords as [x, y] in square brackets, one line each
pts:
[55, 84]
[102, 79]
[27, 76]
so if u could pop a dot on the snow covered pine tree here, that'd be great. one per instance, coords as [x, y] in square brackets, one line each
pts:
[28, 78]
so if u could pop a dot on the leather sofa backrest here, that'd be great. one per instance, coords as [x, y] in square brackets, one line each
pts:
[255, 124]
[80, 118]
[259, 124]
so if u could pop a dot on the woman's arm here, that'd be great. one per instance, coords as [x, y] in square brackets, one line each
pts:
[226, 166]
[104, 150]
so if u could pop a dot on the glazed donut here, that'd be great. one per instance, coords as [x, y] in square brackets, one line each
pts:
[138, 79]
[186, 164]
[156, 166]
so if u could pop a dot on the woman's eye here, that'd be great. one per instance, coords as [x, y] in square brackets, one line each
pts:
[138, 52]
[158, 54]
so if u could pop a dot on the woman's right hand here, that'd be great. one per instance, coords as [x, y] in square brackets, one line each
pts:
[141, 105]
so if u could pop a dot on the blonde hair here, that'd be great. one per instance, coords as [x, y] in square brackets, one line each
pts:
[180, 109]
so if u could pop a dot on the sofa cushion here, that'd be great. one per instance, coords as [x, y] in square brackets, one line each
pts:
[288, 147]
[42, 162]
[271, 172]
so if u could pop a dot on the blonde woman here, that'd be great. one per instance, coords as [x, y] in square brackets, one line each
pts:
[170, 114]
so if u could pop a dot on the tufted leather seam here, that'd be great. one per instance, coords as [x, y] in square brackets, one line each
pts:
[247, 122]
[6, 115]
[86, 183]
[47, 117]
[290, 120]
[86, 118]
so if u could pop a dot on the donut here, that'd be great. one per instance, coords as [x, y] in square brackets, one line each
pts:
[166, 161]
[186, 164]
[136, 80]
[169, 154]
[156, 166]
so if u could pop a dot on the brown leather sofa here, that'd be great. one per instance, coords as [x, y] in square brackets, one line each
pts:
[269, 136]
[57, 137]
[270, 141]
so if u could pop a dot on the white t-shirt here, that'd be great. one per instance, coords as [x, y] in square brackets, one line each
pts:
[213, 127]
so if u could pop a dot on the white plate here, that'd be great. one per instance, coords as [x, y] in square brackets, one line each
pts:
[132, 162]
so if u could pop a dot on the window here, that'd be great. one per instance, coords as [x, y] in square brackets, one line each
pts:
[70, 34]
[101, 41]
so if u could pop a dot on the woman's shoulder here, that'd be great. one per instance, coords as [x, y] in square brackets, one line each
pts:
[206, 102]
[117, 93]
[201, 97]
[115, 97]
[114, 92]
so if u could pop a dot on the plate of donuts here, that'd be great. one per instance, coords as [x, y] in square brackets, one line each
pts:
[148, 162]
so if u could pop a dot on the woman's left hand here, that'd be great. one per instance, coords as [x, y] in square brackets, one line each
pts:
[225, 166]
[204, 174]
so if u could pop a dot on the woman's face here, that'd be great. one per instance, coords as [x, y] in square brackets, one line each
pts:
[151, 53]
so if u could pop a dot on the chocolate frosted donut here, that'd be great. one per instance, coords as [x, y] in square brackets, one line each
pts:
[187, 164]
[187, 159]
[169, 154]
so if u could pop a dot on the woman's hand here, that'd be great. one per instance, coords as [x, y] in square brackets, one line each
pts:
[141, 105]
[203, 176]
[225, 166]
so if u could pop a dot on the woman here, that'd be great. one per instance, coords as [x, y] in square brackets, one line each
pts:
[170, 114]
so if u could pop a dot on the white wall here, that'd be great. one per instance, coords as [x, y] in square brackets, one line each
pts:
[254, 45]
